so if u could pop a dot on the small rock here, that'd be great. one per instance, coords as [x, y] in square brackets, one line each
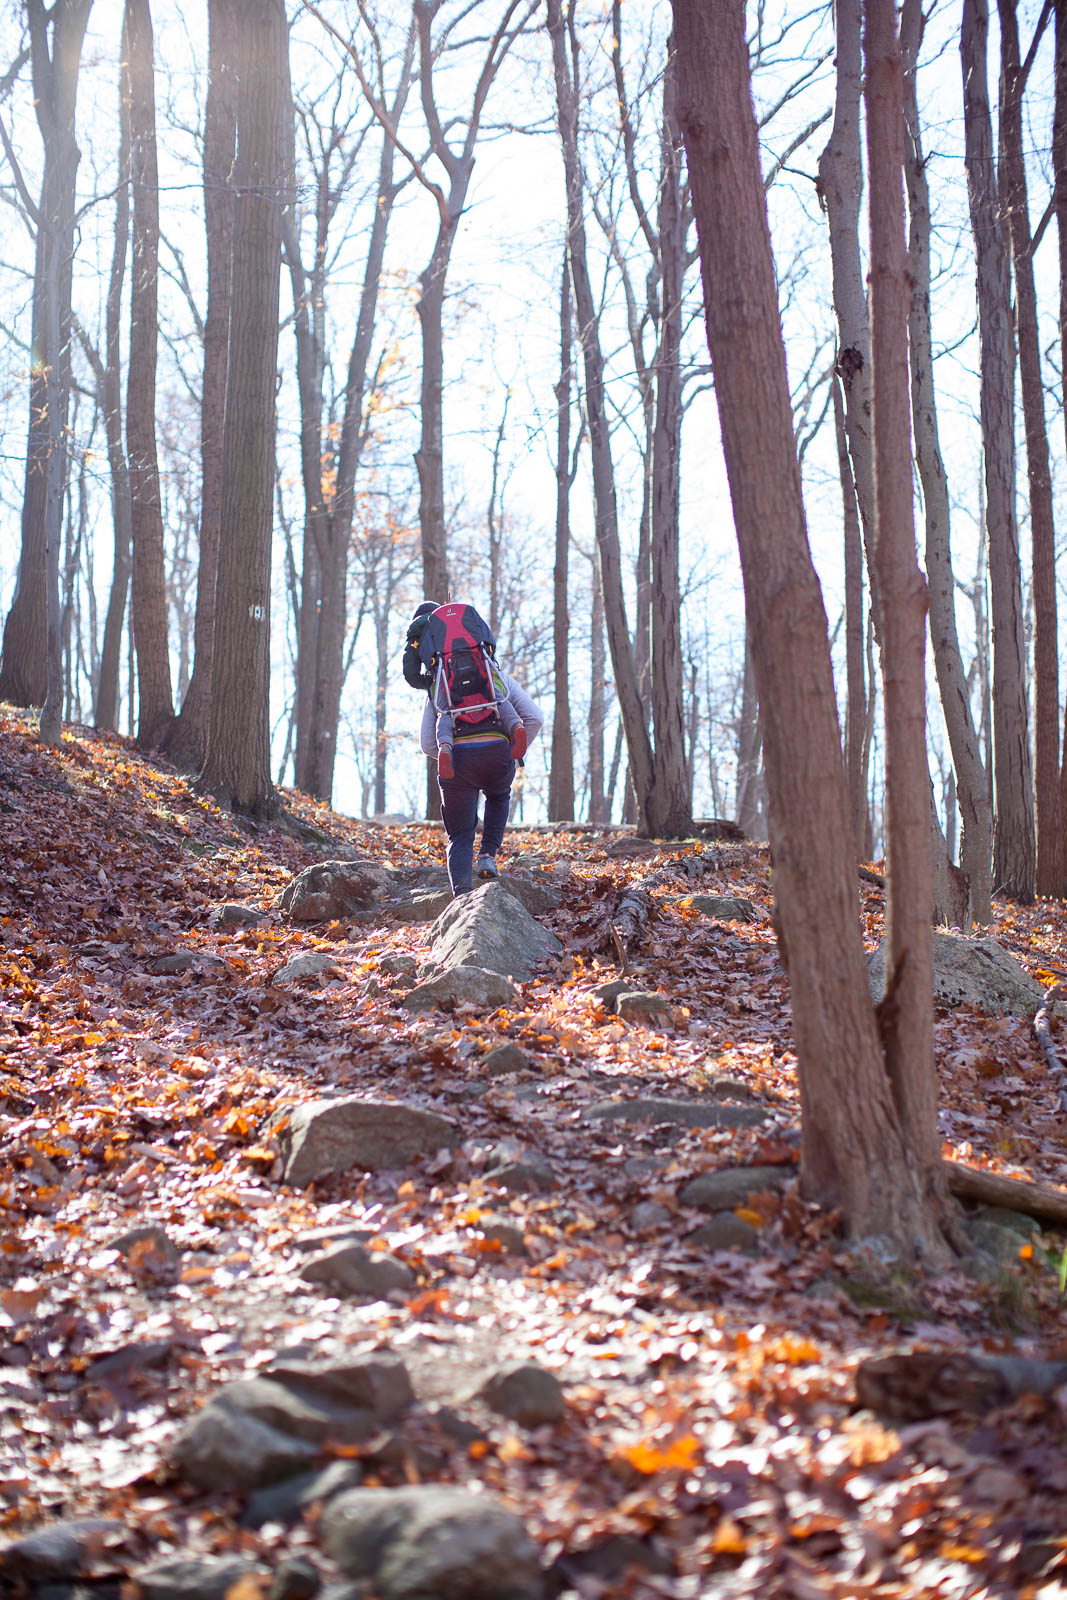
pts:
[638, 1005]
[528, 1394]
[682, 1113]
[1003, 1244]
[455, 1426]
[57, 1551]
[331, 890]
[608, 993]
[287, 1501]
[327, 1136]
[151, 1234]
[315, 964]
[639, 1168]
[192, 1577]
[379, 1384]
[235, 915]
[354, 1270]
[463, 985]
[649, 1214]
[1002, 1217]
[414, 1543]
[504, 1058]
[295, 1578]
[725, 907]
[421, 907]
[396, 965]
[518, 1169]
[510, 1238]
[187, 961]
[222, 1449]
[336, 1233]
[724, 1232]
[731, 1186]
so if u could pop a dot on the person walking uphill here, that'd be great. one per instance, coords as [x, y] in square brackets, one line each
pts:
[477, 720]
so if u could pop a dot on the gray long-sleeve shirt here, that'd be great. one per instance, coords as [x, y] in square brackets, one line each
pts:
[531, 714]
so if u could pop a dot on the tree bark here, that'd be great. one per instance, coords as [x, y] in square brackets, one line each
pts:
[187, 742]
[561, 770]
[1059, 195]
[1013, 839]
[749, 742]
[668, 806]
[237, 763]
[155, 704]
[972, 779]
[605, 508]
[1050, 847]
[598, 806]
[856, 704]
[109, 392]
[31, 629]
[857, 1149]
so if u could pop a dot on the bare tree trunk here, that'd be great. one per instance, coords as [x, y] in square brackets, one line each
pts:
[668, 806]
[858, 1151]
[972, 780]
[1050, 843]
[31, 631]
[597, 707]
[187, 742]
[606, 513]
[237, 764]
[749, 740]
[561, 770]
[109, 391]
[149, 589]
[856, 709]
[1059, 178]
[1013, 841]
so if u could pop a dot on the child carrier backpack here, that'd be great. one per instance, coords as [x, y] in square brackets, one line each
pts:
[458, 648]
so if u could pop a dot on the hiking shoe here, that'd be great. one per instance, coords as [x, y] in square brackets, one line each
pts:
[445, 769]
[518, 743]
[486, 867]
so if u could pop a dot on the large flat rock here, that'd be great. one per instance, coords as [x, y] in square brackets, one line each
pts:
[489, 928]
[326, 1136]
[974, 972]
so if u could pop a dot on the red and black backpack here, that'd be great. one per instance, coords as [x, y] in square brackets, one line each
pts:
[457, 647]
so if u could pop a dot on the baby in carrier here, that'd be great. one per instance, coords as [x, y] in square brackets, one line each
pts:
[451, 652]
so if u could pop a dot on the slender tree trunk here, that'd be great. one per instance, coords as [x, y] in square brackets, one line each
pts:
[749, 739]
[668, 804]
[606, 513]
[187, 742]
[1050, 844]
[561, 770]
[972, 780]
[237, 764]
[109, 389]
[31, 639]
[858, 1151]
[1059, 179]
[1013, 841]
[597, 701]
[149, 584]
[908, 1041]
[856, 707]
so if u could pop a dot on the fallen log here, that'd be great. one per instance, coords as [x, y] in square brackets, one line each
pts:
[1035, 1200]
[911, 1385]
[629, 921]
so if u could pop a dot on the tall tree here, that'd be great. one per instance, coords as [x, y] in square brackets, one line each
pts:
[1050, 841]
[237, 763]
[154, 702]
[856, 701]
[30, 670]
[858, 1150]
[971, 777]
[1059, 198]
[187, 741]
[561, 768]
[1013, 836]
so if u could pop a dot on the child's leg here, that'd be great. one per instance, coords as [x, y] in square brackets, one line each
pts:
[514, 727]
[445, 768]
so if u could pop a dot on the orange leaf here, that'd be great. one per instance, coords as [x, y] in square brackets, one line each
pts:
[728, 1540]
[648, 1456]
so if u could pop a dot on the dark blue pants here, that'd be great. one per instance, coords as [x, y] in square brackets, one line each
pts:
[479, 769]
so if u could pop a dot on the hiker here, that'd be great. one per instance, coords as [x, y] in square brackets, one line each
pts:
[478, 721]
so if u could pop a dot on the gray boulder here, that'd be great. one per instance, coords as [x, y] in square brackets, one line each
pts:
[643, 1005]
[333, 889]
[724, 1232]
[234, 914]
[725, 907]
[465, 985]
[504, 1058]
[731, 1186]
[287, 1501]
[975, 972]
[418, 1543]
[489, 928]
[326, 1136]
[353, 1270]
[58, 1550]
[529, 1394]
[226, 1449]
[420, 907]
[192, 1577]
[682, 1113]
[315, 964]
[186, 961]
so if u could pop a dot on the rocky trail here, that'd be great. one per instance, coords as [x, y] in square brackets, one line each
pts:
[357, 1242]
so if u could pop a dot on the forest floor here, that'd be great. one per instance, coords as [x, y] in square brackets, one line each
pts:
[711, 1440]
